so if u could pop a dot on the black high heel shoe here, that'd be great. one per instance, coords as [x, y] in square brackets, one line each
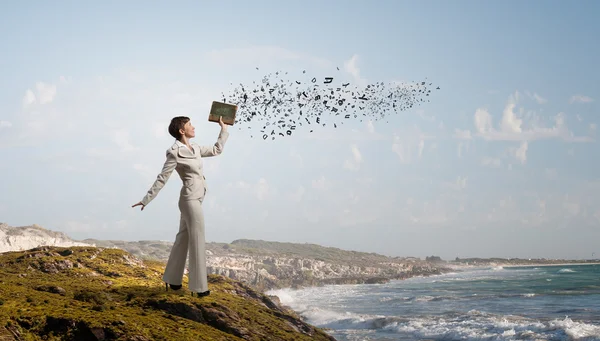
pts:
[173, 286]
[202, 294]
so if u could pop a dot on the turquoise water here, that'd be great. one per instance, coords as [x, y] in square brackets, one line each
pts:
[523, 303]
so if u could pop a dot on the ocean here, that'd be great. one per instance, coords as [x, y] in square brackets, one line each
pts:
[512, 303]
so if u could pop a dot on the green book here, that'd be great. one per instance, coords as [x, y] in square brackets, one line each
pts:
[227, 111]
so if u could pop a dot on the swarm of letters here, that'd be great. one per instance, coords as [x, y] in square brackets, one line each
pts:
[281, 105]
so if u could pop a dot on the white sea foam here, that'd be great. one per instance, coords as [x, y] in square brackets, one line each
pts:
[577, 330]
[566, 270]
[334, 307]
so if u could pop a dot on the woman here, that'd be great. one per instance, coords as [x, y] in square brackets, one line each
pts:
[186, 158]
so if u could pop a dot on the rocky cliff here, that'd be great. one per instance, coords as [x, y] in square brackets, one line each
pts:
[28, 237]
[94, 294]
[262, 264]
[270, 265]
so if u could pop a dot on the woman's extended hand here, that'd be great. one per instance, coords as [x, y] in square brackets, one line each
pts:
[223, 126]
[138, 204]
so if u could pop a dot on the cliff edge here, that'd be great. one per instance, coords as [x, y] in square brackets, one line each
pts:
[90, 293]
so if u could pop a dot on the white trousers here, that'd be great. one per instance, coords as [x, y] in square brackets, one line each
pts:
[190, 237]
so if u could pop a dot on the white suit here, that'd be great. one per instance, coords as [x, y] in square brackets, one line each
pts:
[188, 164]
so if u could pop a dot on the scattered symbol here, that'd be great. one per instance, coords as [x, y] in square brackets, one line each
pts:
[279, 104]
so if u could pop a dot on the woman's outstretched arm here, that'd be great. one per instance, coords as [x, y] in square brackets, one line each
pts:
[161, 179]
[217, 148]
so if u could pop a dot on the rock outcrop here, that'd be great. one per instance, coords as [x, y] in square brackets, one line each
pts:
[271, 265]
[28, 237]
[261, 264]
[88, 293]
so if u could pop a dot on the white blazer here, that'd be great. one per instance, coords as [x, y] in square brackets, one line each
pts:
[189, 166]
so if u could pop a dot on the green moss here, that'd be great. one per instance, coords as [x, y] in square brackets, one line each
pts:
[89, 293]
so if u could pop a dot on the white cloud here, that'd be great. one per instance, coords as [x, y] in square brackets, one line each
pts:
[520, 153]
[512, 127]
[370, 126]
[354, 163]
[5, 124]
[580, 99]
[46, 92]
[351, 66]
[356, 154]
[462, 134]
[408, 142]
[483, 121]
[593, 126]
[29, 98]
[536, 97]
[539, 99]
[510, 123]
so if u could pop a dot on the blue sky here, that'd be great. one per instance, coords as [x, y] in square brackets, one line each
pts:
[502, 162]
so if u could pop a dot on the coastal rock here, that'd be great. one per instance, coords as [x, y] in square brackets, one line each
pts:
[67, 306]
[29, 237]
[261, 264]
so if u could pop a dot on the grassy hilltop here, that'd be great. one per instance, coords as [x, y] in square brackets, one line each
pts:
[88, 293]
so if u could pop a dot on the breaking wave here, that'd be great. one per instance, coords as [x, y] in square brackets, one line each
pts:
[475, 325]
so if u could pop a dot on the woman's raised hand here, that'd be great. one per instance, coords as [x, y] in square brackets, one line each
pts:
[223, 126]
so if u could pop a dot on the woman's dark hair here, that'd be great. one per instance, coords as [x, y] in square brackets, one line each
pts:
[176, 124]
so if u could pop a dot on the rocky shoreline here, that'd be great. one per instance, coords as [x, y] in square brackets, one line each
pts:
[261, 264]
[273, 265]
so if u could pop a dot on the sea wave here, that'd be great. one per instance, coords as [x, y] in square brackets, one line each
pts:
[429, 298]
[566, 270]
[475, 325]
[410, 309]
